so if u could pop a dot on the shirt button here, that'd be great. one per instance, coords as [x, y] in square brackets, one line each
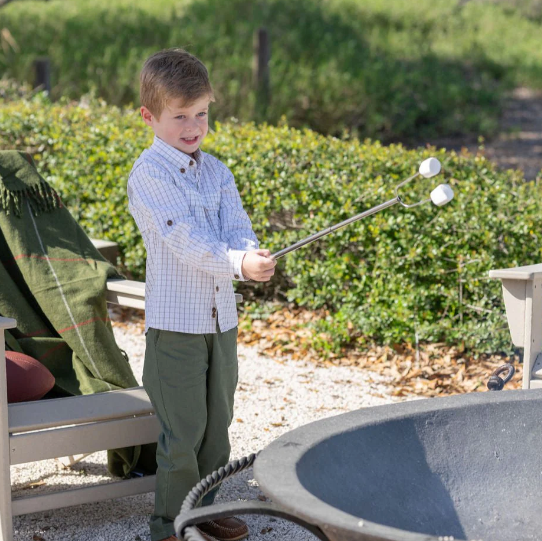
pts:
[191, 162]
[183, 170]
[217, 288]
[169, 222]
[213, 313]
[236, 276]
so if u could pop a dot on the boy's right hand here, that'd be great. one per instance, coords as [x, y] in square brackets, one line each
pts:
[258, 266]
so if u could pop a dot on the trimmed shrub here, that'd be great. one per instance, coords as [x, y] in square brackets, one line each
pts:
[388, 277]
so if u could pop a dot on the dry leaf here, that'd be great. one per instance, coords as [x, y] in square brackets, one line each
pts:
[33, 485]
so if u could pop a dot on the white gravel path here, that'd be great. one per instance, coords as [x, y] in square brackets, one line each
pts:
[272, 398]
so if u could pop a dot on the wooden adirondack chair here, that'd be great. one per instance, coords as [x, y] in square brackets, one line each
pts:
[46, 429]
[522, 291]
[74, 427]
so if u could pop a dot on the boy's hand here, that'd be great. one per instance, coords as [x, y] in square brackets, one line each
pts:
[258, 266]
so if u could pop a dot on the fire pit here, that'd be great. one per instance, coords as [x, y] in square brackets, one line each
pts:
[464, 467]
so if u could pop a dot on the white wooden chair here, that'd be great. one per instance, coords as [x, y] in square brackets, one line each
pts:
[67, 427]
[522, 291]
[45, 429]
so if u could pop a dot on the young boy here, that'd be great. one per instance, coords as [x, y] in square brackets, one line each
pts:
[198, 239]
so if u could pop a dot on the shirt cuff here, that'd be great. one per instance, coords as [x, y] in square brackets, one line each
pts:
[236, 257]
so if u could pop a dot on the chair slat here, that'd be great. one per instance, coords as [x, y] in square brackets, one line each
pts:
[87, 438]
[74, 410]
[77, 496]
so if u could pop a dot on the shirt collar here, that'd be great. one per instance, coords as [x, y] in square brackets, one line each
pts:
[178, 158]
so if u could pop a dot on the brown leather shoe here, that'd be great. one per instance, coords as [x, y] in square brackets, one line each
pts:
[225, 529]
[205, 536]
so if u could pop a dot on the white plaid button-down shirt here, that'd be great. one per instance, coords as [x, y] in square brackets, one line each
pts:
[196, 234]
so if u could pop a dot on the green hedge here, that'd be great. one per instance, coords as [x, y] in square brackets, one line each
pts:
[387, 277]
[387, 69]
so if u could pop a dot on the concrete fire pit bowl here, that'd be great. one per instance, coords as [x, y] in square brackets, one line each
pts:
[466, 467]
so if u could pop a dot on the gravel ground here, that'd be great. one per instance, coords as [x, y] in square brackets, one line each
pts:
[272, 398]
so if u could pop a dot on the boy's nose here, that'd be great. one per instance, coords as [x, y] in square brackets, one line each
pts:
[191, 126]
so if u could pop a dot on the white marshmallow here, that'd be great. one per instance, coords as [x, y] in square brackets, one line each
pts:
[429, 168]
[442, 194]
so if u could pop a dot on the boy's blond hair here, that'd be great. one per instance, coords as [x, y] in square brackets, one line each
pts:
[171, 74]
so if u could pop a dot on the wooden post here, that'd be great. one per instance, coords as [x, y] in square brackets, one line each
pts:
[42, 67]
[260, 71]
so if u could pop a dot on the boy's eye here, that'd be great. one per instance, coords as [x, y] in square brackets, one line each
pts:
[202, 114]
[179, 116]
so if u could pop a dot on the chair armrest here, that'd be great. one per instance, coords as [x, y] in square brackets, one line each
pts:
[126, 293]
[529, 272]
[7, 323]
[132, 294]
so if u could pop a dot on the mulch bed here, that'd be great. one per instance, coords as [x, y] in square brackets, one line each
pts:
[431, 370]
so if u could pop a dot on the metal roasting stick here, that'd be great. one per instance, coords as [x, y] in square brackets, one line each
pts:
[440, 196]
[329, 230]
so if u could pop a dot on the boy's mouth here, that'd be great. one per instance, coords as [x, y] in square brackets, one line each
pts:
[190, 140]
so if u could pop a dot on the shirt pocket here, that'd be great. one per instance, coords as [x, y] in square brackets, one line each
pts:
[211, 206]
[204, 209]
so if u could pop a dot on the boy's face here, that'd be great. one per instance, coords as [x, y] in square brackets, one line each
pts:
[182, 127]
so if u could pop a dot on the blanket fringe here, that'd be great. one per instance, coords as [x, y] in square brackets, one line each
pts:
[41, 197]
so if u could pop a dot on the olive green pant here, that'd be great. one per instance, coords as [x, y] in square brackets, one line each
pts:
[190, 380]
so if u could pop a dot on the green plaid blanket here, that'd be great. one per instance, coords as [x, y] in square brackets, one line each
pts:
[52, 281]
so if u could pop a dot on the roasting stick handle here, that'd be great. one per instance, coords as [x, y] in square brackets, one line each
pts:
[324, 232]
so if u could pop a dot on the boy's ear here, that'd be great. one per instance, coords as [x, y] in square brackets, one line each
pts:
[146, 115]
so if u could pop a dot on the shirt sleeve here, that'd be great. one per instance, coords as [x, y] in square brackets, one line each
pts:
[236, 226]
[157, 204]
